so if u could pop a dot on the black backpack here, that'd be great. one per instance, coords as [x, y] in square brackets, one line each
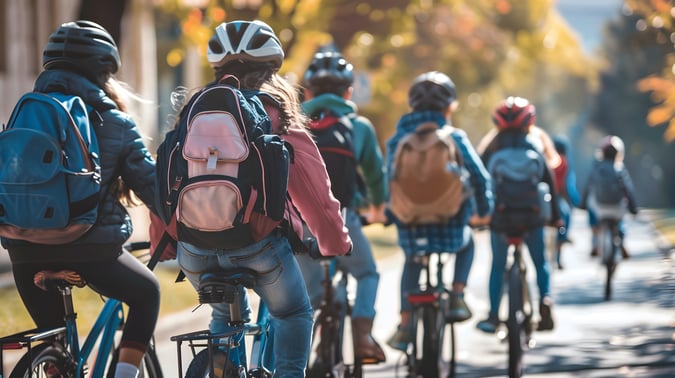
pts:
[522, 199]
[220, 164]
[333, 136]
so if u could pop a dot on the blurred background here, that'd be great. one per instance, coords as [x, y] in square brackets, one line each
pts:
[591, 67]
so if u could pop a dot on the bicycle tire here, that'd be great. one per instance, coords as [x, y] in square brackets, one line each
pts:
[45, 360]
[517, 334]
[150, 367]
[222, 367]
[432, 319]
[607, 246]
[326, 350]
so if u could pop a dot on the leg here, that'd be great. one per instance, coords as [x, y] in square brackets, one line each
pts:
[409, 283]
[496, 281]
[536, 246]
[139, 290]
[361, 265]
[282, 287]
[458, 311]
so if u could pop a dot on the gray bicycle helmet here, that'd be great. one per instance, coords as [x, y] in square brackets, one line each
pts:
[244, 41]
[431, 91]
[328, 72]
[84, 45]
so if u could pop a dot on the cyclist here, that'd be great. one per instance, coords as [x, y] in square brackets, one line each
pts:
[617, 185]
[81, 58]
[514, 119]
[566, 187]
[328, 89]
[251, 51]
[433, 98]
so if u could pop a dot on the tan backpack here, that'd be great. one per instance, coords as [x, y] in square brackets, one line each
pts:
[429, 182]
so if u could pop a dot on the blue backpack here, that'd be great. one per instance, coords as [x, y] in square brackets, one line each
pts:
[50, 172]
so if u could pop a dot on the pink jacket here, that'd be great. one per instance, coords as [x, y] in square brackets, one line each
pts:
[310, 193]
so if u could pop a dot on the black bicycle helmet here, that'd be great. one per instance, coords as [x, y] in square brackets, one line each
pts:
[328, 72]
[514, 113]
[84, 45]
[431, 91]
[244, 41]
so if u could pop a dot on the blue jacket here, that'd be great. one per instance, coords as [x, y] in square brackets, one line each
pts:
[367, 150]
[123, 156]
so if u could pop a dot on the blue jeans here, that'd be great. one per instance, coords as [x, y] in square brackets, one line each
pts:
[535, 245]
[412, 269]
[280, 286]
[360, 265]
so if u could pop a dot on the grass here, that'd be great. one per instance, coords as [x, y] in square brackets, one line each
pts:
[174, 296]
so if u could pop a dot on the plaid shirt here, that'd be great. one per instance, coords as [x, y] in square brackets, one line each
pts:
[456, 233]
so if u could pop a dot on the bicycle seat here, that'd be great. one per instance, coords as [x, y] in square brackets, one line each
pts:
[218, 287]
[47, 279]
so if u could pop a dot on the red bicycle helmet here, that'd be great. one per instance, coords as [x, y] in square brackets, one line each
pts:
[514, 113]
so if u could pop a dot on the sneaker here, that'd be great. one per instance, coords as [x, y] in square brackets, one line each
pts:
[489, 325]
[400, 339]
[546, 322]
[457, 310]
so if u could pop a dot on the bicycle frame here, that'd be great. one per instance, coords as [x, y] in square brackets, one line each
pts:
[330, 325]
[261, 354]
[107, 323]
[429, 304]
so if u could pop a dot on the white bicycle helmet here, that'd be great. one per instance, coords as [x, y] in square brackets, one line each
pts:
[244, 41]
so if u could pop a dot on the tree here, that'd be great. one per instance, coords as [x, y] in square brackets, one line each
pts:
[658, 21]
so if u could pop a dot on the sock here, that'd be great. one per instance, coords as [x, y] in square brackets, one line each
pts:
[125, 370]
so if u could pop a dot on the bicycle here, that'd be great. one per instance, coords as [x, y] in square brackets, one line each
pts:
[520, 309]
[329, 325]
[609, 246]
[428, 354]
[225, 354]
[56, 352]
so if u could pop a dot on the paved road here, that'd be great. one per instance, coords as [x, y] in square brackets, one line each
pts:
[630, 336]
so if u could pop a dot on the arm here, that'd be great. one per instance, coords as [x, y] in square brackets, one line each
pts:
[370, 161]
[479, 176]
[138, 166]
[629, 190]
[309, 189]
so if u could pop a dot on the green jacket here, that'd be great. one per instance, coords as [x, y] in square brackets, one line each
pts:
[367, 150]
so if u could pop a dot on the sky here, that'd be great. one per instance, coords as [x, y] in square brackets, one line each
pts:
[587, 17]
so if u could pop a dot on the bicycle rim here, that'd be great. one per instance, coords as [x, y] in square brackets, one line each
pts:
[48, 360]
[222, 367]
[517, 335]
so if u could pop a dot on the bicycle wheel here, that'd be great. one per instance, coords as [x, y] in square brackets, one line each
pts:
[517, 334]
[607, 246]
[329, 348]
[150, 367]
[432, 319]
[45, 360]
[222, 367]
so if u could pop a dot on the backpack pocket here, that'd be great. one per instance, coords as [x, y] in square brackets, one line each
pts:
[210, 205]
[214, 145]
[274, 158]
